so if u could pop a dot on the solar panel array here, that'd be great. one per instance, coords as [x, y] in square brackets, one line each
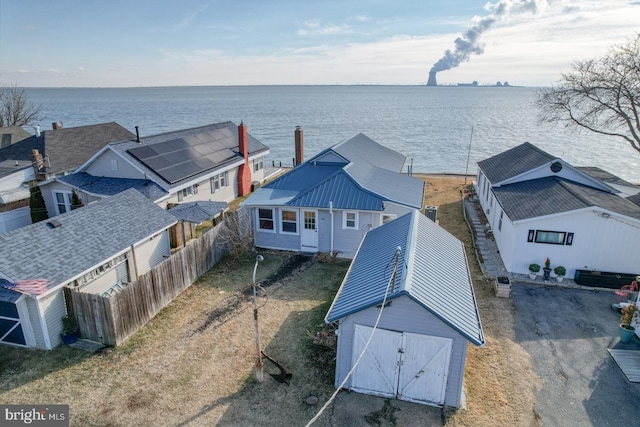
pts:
[190, 155]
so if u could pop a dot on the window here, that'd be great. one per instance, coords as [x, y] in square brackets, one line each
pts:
[551, 237]
[258, 164]
[187, 192]
[63, 202]
[388, 218]
[219, 181]
[289, 221]
[350, 219]
[265, 219]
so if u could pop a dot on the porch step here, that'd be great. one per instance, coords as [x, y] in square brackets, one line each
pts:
[87, 345]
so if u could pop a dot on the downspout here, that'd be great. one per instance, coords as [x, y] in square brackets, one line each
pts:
[134, 263]
[331, 213]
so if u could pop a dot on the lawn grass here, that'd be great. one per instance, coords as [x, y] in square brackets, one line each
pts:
[193, 364]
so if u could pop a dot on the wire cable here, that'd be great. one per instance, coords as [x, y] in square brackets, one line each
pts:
[353, 368]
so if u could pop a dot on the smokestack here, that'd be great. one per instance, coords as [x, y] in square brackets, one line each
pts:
[244, 171]
[38, 130]
[137, 135]
[38, 165]
[299, 136]
[432, 79]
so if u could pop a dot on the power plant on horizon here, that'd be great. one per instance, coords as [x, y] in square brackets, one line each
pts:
[433, 82]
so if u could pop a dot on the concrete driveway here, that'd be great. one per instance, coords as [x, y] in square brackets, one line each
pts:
[567, 333]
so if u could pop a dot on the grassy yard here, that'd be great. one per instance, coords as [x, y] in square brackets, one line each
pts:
[193, 363]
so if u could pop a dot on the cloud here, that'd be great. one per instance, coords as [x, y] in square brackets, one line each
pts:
[316, 28]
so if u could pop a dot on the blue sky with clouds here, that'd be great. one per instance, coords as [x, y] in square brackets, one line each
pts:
[255, 42]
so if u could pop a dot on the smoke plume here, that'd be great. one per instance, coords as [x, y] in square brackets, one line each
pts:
[469, 42]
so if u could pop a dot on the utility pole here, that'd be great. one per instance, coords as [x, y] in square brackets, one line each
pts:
[259, 364]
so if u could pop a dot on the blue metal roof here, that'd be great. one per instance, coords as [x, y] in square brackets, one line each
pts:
[433, 272]
[364, 183]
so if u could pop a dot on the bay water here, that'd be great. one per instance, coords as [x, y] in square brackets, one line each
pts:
[439, 129]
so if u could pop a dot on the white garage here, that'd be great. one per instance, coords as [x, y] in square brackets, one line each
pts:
[417, 349]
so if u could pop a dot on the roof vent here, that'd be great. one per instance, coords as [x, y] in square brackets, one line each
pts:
[556, 167]
[54, 223]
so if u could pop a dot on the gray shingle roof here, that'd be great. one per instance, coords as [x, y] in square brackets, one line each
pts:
[87, 237]
[552, 195]
[433, 272]
[67, 148]
[106, 186]
[514, 162]
[604, 176]
[198, 212]
[221, 137]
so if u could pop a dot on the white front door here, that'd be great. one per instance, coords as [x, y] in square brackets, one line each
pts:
[309, 231]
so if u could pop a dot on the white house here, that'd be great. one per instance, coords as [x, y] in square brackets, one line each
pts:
[426, 308]
[329, 202]
[217, 162]
[15, 176]
[94, 248]
[539, 206]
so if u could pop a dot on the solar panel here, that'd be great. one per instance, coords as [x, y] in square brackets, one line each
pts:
[190, 155]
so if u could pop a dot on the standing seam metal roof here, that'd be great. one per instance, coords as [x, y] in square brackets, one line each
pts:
[433, 272]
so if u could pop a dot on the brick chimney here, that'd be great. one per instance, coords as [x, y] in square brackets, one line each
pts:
[244, 171]
[38, 165]
[299, 136]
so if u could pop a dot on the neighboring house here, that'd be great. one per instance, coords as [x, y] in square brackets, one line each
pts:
[418, 349]
[217, 162]
[11, 135]
[539, 206]
[14, 194]
[50, 153]
[94, 248]
[329, 202]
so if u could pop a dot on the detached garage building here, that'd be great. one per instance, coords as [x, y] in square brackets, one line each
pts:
[418, 349]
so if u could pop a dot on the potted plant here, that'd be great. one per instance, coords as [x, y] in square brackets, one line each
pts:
[626, 330]
[69, 332]
[533, 271]
[547, 269]
[560, 272]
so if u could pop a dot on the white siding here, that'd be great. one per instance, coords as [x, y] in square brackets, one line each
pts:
[54, 309]
[617, 240]
[395, 209]
[34, 319]
[405, 316]
[14, 219]
[152, 252]
[103, 166]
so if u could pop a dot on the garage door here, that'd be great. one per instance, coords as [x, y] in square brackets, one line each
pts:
[406, 366]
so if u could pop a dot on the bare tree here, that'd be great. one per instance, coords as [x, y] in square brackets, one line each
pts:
[15, 107]
[601, 95]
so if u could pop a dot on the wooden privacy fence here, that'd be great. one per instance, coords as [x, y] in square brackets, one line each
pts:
[112, 319]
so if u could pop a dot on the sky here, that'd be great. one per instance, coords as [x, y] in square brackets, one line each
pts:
[128, 43]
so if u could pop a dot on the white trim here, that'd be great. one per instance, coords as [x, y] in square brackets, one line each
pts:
[206, 176]
[67, 201]
[274, 219]
[344, 220]
[281, 220]
[27, 329]
[43, 325]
